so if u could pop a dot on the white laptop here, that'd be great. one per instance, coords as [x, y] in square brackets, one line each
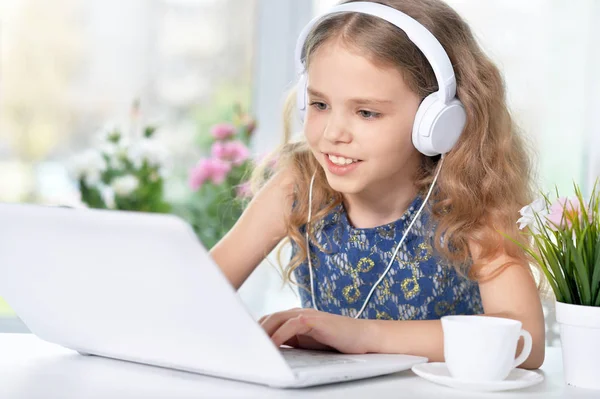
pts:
[140, 287]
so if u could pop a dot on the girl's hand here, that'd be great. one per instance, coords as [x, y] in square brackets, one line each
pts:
[312, 329]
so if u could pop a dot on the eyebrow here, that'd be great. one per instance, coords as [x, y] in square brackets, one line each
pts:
[358, 101]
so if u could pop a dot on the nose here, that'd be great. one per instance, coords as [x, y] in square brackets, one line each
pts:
[336, 129]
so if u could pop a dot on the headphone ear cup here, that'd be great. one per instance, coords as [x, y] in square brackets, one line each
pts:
[422, 127]
[302, 96]
[438, 126]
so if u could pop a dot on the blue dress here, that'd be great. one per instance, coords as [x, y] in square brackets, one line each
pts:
[348, 261]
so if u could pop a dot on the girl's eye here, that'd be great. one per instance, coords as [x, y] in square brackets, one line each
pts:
[318, 105]
[369, 114]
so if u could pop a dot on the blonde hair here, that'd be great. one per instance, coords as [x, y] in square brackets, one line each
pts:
[485, 179]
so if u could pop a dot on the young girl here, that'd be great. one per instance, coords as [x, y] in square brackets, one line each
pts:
[396, 200]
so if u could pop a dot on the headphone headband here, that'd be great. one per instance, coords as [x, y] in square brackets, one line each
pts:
[441, 116]
[417, 33]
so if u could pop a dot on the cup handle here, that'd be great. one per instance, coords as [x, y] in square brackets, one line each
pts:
[527, 341]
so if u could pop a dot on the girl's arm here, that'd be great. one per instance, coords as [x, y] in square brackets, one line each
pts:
[260, 228]
[512, 294]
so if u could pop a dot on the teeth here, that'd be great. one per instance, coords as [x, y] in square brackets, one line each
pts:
[341, 160]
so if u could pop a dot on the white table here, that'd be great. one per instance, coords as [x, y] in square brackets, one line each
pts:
[32, 368]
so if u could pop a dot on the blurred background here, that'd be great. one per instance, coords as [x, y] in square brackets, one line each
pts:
[70, 68]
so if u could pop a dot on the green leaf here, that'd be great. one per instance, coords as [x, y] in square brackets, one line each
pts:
[549, 254]
[583, 279]
[91, 196]
[149, 131]
[596, 275]
[567, 266]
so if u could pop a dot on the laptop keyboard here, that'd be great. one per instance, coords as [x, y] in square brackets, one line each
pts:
[298, 358]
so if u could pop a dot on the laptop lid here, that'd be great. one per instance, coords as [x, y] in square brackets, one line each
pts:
[129, 285]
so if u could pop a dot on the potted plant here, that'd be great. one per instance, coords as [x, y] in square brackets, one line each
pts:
[566, 245]
[122, 172]
[219, 182]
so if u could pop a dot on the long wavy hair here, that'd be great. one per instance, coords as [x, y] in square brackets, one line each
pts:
[485, 179]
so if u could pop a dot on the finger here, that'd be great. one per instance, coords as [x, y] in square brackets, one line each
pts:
[265, 317]
[298, 325]
[274, 321]
[294, 342]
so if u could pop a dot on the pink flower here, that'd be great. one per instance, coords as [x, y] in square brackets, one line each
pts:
[234, 151]
[244, 190]
[223, 131]
[213, 169]
[564, 211]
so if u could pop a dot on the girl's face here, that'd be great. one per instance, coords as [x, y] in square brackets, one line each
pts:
[359, 121]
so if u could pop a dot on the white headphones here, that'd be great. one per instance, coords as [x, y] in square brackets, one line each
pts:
[441, 117]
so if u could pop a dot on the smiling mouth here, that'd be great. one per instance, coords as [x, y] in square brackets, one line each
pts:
[341, 161]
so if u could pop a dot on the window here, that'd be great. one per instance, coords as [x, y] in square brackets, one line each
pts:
[69, 67]
[548, 56]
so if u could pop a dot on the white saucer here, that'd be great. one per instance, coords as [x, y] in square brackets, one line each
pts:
[438, 373]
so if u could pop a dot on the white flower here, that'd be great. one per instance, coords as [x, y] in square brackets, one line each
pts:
[149, 151]
[108, 196]
[116, 154]
[89, 166]
[109, 149]
[529, 212]
[125, 185]
[116, 163]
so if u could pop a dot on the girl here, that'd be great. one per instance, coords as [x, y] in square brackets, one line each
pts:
[382, 248]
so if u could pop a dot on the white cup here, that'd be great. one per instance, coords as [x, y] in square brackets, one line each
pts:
[482, 348]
